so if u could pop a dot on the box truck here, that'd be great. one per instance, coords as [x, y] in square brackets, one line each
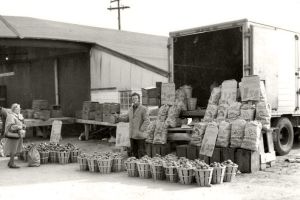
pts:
[204, 56]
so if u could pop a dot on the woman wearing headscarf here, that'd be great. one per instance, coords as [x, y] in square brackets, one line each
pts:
[14, 132]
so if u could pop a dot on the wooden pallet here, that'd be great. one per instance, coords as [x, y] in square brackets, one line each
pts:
[266, 149]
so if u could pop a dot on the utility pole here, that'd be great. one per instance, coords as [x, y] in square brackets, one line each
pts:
[119, 9]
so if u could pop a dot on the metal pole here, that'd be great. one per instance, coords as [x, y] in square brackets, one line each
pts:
[119, 15]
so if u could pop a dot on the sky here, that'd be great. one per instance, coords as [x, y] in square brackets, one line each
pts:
[158, 17]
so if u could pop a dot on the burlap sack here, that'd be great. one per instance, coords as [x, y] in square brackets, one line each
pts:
[160, 133]
[198, 133]
[222, 111]
[237, 133]
[252, 136]
[234, 110]
[150, 132]
[215, 96]
[263, 113]
[210, 113]
[229, 91]
[223, 139]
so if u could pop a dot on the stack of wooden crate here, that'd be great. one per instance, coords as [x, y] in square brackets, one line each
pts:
[247, 160]
[150, 96]
[41, 109]
[88, 110]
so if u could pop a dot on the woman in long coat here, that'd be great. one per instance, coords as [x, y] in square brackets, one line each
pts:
[14, 124]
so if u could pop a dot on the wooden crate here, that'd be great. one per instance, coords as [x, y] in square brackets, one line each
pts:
[228, 154]
[150, 93]
[266, 149]
[181, 150]
[248, 161]
[89, 105]
[216, 157]
[193, 152]
[42, 114]
[109, 118]
[205, 158]
[88, 115]
[40, 104]
[160, 149]
[149, 149]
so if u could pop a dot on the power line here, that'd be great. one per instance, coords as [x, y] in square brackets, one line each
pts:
[119, 8]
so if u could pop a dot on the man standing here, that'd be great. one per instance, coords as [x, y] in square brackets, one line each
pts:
[138, 119]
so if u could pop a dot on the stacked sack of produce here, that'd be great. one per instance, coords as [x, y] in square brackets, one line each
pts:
[239, 123]
[168, 116]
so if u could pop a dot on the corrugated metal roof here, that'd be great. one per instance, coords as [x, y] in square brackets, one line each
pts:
[150, 49]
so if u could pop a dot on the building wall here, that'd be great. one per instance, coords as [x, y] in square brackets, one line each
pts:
[32, 80]
[74, 82]
[35, 80]
[110, 74]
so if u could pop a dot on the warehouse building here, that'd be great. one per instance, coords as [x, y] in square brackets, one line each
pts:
[67, 64]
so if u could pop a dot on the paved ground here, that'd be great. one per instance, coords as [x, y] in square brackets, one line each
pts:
[61, 182]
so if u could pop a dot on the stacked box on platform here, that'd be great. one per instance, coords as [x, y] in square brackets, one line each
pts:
[88, 110]
[41, 109]
[39, 104]
[150, 97]
[42, 114]
[109, 109]
[99, 113]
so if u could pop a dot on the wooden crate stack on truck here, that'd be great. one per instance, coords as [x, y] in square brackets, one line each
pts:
[205, 56]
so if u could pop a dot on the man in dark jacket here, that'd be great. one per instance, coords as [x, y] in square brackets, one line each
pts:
[138, 118]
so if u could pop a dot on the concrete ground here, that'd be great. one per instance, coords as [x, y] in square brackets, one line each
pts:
[62, 182]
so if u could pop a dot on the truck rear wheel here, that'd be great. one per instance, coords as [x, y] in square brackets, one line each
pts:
[283, 141]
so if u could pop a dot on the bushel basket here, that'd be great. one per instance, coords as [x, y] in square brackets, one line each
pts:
[63, 157]
[218, 175]
[185, 175]
[203, 177]
[131, 168]
[73, 156]
[144, 170]
[44, 156]
[53, 156]
[118, 165]
[83, 164]
[230, 173]
[157, 172]
[104, 165]
[93, 164]
[171, 174]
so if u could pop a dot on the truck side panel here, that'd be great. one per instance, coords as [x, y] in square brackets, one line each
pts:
[274, 61]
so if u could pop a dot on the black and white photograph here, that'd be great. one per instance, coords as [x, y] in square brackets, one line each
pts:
[149, 99]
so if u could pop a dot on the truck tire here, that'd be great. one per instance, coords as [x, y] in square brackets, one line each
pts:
[284, 139]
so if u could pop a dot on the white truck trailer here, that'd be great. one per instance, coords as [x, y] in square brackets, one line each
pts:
[231, 50]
